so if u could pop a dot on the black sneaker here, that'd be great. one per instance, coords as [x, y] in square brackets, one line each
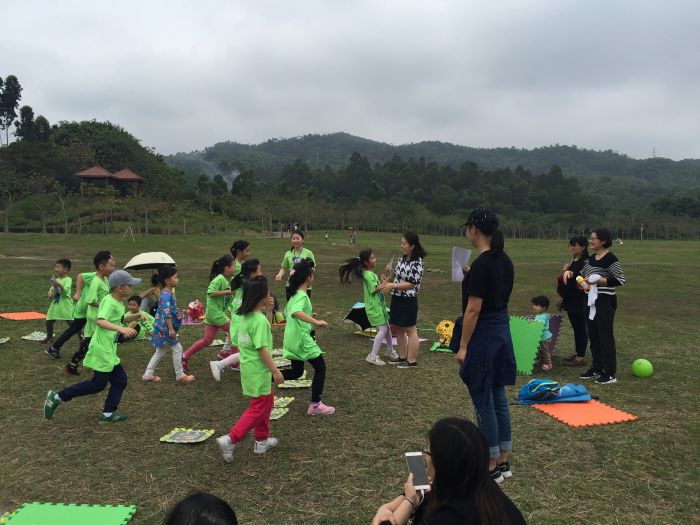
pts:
[406, 364]
[71, 369]
[52, 352]
[505, 469]
[395, 360]
[589, 374]
[606, 379]
[496, 475]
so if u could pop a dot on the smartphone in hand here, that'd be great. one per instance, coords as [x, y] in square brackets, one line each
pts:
[416, 466]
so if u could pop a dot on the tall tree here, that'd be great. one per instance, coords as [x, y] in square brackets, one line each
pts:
[9, 102]
[12, 188]
[24, 127]
[42, 129]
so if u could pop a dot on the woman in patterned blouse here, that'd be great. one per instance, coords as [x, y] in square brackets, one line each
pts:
[404, 299]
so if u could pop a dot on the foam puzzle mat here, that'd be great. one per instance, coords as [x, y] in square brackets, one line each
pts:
[70, 514]
[22, 316]
[187, 435]
[526, 337]
[585, 414]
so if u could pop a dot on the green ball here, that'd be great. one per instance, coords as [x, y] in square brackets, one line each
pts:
[642, 368]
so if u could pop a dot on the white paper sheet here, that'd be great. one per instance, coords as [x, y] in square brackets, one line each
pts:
[460, 258]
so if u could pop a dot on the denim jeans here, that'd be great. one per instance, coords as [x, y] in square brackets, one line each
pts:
[494, 422]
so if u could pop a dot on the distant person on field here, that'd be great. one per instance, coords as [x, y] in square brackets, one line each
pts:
[61, 302]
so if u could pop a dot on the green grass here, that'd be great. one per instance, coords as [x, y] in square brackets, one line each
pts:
[340, 469]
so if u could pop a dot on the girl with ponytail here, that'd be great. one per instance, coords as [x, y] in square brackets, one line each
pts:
[485, 355]
[218, 295]
[250, 269]
[299, 345]
[360, 268]
[165, 328]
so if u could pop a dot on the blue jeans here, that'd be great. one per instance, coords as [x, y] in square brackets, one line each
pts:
[116, 379]
[494, 422]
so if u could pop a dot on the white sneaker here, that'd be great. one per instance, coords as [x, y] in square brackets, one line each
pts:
[261, 447]
[226, 446]
[215, 370]
[392, 356]
[375, 360]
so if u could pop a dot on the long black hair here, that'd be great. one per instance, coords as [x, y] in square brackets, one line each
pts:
[300, 234]
[486, 221]
[219, 265]
[418, 250]
[249, 267]
[238, 246]
[201, 507]
[301, 272]
[165, 272]
[254, 291]
[353, 268]
[581, 241]
[460, 456]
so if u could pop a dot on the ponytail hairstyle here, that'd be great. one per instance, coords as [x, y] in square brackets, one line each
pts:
[418, 250]
[486, 221]
[218, 267]
[254, 291]
[165, 272]
[238, 246]
[459, 453]
[248, 268]
[353, 268]
[300, 273]
[300, 234]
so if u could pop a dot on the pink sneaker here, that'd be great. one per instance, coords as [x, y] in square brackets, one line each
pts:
[319, 409]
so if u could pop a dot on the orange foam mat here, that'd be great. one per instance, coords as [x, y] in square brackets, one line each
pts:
[586, 414]
[23, 316]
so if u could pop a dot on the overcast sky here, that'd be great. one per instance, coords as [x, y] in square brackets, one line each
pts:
[182, 75]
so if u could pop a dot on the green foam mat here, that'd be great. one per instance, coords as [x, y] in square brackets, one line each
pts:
[70, 514]
[526, 337]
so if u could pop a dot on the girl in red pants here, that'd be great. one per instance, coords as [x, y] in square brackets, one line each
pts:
[218, 296]
[258, 370]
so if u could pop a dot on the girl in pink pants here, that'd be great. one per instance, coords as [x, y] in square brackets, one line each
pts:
[218, 296]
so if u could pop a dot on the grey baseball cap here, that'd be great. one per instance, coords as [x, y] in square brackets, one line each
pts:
[120, 277]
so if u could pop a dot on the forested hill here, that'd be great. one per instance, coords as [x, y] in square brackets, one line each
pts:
[269, 158]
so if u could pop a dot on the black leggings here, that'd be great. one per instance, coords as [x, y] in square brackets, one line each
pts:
[75, 327]
[319, 375]
[602, 336]
[80, 354]
[49, 328]
[578, 323]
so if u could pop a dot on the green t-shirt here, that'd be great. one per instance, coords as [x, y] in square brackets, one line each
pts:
[236, 301]
[216, 306]
[254, 332]
[99, 289]
[230, 308]
[102, 353]
[80, 310]
[291, 258]
[298, 343]
[63, 309]
[374, 302]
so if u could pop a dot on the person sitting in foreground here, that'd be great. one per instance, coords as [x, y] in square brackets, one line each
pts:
[462, 492]
[201, 508]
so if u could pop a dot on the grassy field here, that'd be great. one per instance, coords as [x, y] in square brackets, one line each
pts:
[339, 469]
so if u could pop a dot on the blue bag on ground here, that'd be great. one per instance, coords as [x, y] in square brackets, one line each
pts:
[548, 391]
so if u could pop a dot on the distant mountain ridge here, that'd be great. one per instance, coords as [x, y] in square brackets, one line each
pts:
[334, 149]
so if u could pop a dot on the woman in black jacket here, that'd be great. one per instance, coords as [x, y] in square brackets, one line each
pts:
[462, 492]
[574, 300]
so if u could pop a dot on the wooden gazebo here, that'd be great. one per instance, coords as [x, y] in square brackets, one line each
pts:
[122, 179]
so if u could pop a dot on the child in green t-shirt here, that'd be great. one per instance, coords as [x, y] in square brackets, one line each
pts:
[258, 370]
[299, 344]
[249, 270]
[98, 290]
[61, 306]
[240, 251]
[218, 296]
[102, 354]
[361, 267]
[294, 255]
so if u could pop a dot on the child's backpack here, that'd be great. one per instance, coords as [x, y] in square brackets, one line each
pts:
[549, 391]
